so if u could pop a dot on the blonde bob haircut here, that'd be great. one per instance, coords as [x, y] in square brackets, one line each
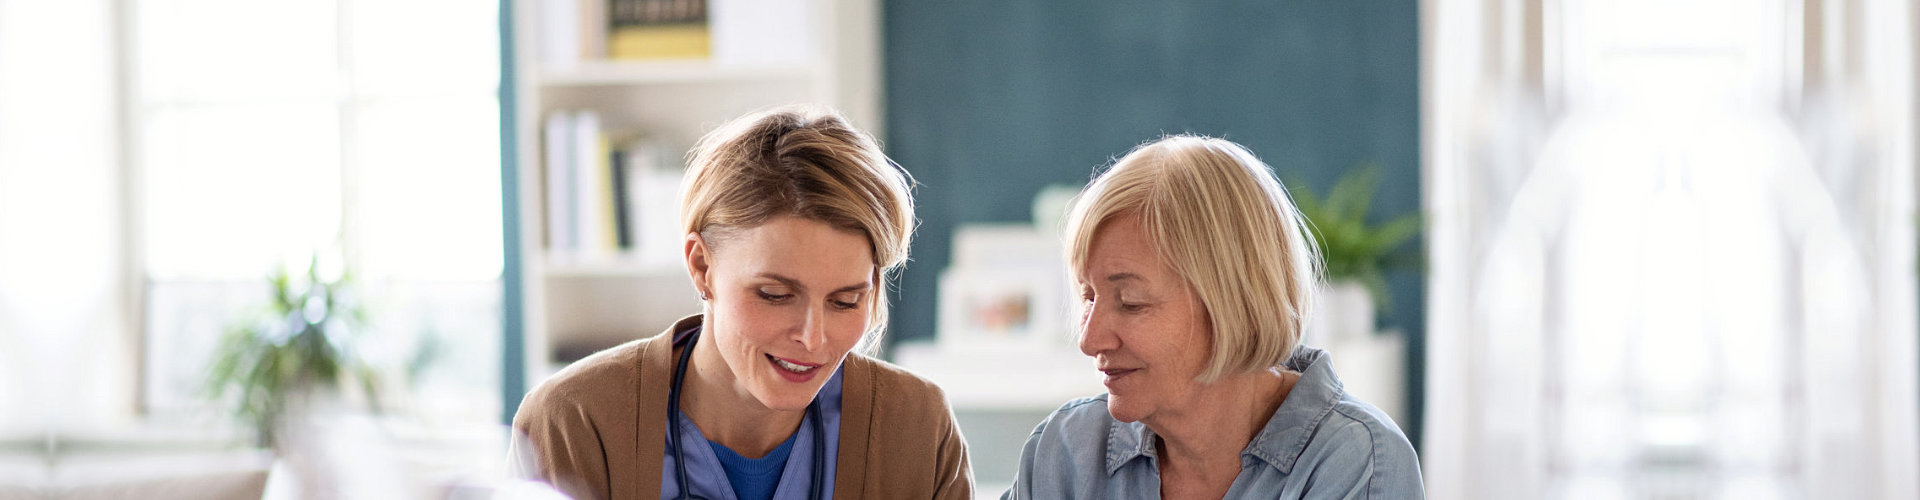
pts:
[807, 162]
[1214, 213]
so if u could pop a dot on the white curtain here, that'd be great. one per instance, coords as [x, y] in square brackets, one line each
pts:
[1672, 249]
[65, 283]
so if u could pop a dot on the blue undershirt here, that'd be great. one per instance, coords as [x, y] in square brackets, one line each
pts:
[754, 478]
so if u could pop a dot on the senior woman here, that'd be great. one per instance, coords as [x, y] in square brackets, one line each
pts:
[794, 223]
[1196, 272]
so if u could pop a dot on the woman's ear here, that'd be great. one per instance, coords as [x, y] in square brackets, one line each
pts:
[699, 258]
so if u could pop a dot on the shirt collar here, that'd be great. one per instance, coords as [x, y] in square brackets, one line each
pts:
[1127, 441]
[1286, 434]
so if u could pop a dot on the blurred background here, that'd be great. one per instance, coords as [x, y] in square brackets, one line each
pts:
[1579, 249]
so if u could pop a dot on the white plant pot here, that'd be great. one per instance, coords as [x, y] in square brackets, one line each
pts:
[1370, 364]
[1345, 312]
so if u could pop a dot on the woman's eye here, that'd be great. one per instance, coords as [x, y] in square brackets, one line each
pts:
[773, 297]
[1125, 307]
[844, 301]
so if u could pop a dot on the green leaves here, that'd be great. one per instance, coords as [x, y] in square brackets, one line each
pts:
[298, 345]
[1352, 248]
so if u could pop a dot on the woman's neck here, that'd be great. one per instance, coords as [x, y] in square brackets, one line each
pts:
[1200, 445]
[726, 413]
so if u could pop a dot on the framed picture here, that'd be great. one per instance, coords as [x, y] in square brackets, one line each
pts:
[1001, 308]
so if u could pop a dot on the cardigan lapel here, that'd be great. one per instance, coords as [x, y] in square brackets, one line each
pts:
[856, 417]
[654, 377]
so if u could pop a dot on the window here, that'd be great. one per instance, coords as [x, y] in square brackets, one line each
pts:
[367, 131]
[1698, 281]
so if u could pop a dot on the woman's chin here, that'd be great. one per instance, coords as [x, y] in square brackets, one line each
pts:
[1123, 409]
[786, 399]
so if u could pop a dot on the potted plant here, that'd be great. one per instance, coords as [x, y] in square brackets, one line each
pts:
[1357, 253]
[296, 353]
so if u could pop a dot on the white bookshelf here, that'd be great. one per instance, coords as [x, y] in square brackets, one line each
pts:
[576, 300]
[620, 266]
[627, 73]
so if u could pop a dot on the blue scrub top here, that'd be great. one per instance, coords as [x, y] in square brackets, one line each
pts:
[707, 479]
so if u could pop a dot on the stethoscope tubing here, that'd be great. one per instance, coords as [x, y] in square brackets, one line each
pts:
[673, 430]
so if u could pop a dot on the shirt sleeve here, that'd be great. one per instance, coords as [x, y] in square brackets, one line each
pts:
[562, 445]
[1367, 464]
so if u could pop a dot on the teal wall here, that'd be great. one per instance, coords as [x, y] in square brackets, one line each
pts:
[989, 100]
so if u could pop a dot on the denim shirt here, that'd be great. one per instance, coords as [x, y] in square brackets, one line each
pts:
[1321, 443]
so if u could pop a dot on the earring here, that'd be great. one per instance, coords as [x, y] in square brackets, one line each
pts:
[703, 295]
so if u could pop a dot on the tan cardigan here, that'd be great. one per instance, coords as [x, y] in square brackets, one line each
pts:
[598, 428]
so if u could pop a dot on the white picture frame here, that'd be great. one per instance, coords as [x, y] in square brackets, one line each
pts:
[1002, 308]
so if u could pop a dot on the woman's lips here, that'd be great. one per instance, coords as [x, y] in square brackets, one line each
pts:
[792, 370]
[1115, 374]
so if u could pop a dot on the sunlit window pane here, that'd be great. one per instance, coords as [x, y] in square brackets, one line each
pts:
[428, 187]
[232, 190]
[184, 322]
[236, 50]
[267, 130]
[393, 55]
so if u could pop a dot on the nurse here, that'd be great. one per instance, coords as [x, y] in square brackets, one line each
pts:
[794, 221]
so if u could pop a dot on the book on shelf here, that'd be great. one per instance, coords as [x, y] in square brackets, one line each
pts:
[622, 198]
[762, 33]
[653, 172]
[572, 31]
[557, 174]
[755, 33]
[611, 196]
[658, 29]
[590, 196]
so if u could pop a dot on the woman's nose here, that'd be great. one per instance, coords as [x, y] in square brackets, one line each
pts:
[813, 328]
[1095, 337]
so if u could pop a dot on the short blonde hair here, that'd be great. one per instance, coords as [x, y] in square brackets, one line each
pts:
[1215, 214]
[807, 162]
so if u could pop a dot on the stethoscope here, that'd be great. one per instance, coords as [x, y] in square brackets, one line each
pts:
[673, 430]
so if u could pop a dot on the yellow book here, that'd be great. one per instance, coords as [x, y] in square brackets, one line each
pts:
[660, 41]
[609, 220]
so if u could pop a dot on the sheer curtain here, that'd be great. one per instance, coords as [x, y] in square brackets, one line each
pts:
[1672, 249]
